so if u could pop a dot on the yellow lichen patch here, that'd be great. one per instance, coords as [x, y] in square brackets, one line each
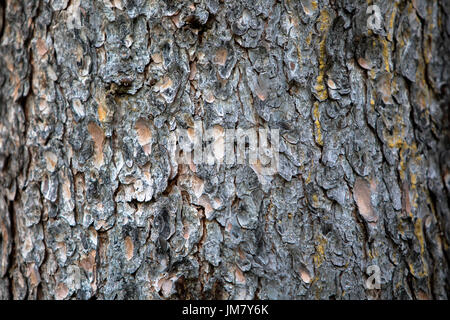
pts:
[373, 253]
[315, 200]
[415, 197]
[299, 55]
[319, 256]
[391, 22]
[318, 129]
[419, 234]
[309, 39]
[400, 228]
[317, 292]
[406, 152]
[386, 54]
[411, 269]
[309, 7]
[98, 136]
[308, 179]
[324, 21]
[414, 191]
[397, 140]
[369, 252]
[418, 231]
[320, 88]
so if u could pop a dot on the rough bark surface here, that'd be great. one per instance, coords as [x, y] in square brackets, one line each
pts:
[93, 204]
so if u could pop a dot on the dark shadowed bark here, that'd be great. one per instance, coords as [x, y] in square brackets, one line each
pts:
[94, 203]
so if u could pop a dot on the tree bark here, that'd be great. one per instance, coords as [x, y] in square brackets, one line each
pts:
[93, 203]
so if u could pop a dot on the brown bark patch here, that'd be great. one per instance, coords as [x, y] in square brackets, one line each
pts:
[406, 203]
[205, 203]
[88, 262]
[129, 247]
[165, 83]
[157, 57]
[361, 194]
[193, 71]
[197, 186]
[209, 96]
[239, 276]
[41, 47]
[144, 135]
[364, 63]
[61, 291]
[261, 92]
[51, 160]
[304, 274]
[221, 56]
[98, 136]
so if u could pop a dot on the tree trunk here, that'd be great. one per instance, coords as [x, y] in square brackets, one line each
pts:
[94, 202]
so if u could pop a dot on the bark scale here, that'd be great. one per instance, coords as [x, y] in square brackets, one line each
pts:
[93, 203]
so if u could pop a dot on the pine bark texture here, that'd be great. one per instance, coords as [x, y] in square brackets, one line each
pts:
[93, 204]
